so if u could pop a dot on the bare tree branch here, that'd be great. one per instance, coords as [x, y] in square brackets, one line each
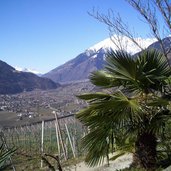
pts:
[165, 10]
[150, 11]
[116, 27]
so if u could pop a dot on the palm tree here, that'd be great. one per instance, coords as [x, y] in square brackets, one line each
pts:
[133, 103]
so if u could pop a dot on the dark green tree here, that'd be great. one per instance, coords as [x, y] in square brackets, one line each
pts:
[134, 103]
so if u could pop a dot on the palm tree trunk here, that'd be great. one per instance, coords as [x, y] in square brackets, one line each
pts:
[145, 151]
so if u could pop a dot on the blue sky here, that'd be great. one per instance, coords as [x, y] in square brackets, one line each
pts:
[43, 34]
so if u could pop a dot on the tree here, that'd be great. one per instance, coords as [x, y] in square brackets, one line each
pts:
[134, 103]
[150, 10]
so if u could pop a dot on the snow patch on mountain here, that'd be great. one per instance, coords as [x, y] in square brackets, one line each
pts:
[124, 42]
[27, 70]
[94, 56]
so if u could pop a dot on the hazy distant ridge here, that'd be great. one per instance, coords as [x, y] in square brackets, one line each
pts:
[13, 81]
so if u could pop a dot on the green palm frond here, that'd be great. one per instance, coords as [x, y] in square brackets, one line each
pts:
[125, 142]
[153, 63]
[123, 68]
[159, 120]
[168, 80]
[5, 154]
[96, 145]
[141, 104]
[146, 72]
[94, 96]
[121, 65]
[102, 79]
[152, 69]
[116, 107]
[156, 101]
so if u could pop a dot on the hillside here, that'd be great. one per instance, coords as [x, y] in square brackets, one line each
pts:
[78, 68]
[167, 45]
[13, 81]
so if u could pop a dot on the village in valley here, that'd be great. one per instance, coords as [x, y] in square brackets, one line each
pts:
[38, 105]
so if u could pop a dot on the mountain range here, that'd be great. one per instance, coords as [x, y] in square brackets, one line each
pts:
[92, 59]
[28, 70]
[167, 46]
[13, 81]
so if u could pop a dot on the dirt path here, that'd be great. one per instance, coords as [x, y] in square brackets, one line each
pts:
[120, 163]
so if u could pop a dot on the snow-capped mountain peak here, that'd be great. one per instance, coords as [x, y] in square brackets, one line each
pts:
[27, 70]
[126, 44]
[93, 59]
